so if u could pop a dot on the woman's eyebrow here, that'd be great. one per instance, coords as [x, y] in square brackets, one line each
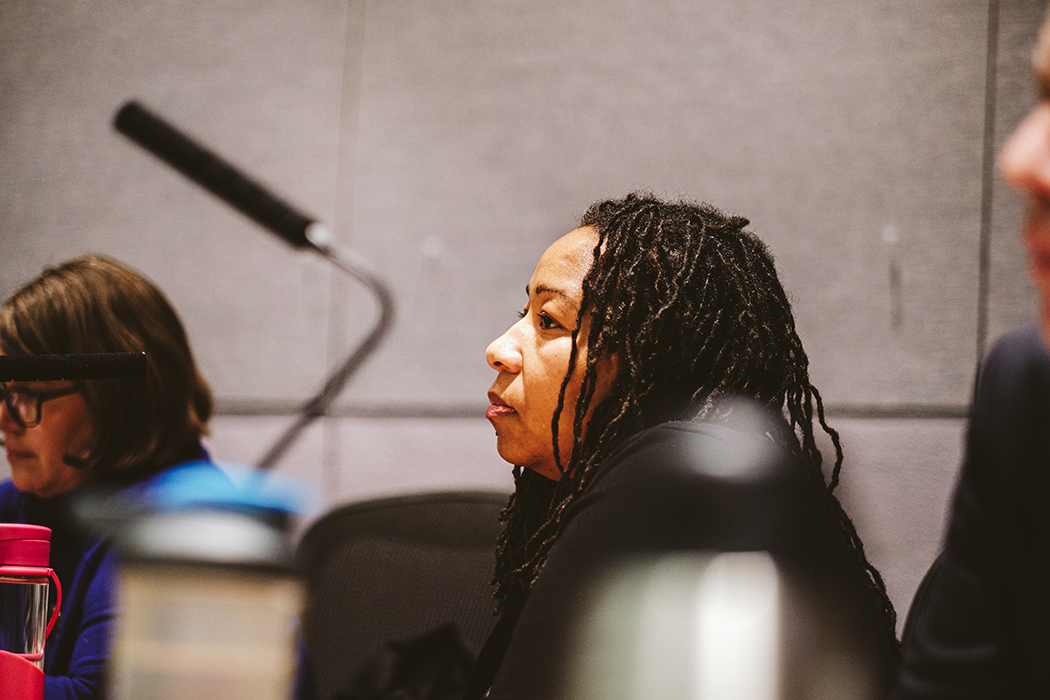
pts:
[541, 288]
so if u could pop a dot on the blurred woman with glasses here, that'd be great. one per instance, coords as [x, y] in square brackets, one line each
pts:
[61, 435]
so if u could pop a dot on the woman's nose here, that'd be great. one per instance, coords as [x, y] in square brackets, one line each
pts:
[1025, 159]
[504, 353]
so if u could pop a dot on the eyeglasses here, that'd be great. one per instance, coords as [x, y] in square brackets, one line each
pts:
[25, 407]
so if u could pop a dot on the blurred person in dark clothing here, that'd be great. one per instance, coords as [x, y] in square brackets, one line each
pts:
[980, 624]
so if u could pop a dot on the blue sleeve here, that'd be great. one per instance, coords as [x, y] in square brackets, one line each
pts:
[77, 649]
[305, 678]
[77, 668]
[9, 496]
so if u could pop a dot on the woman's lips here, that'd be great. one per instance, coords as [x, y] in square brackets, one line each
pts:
[497, 407]
[13, 454]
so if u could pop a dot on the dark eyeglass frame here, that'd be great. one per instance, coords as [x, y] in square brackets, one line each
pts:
[40, 396]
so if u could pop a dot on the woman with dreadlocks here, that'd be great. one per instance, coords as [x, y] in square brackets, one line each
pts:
[638, 324]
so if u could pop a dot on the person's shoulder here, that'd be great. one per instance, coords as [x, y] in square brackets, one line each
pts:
[1011, 407]
[651, 443]
[1016, 368]
[674, 432]
[706, 446]
[1020, 347]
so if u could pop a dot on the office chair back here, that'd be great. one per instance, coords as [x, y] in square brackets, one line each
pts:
[393, 569]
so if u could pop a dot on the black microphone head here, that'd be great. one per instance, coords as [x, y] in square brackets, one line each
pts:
[34, 368]
[213, 173]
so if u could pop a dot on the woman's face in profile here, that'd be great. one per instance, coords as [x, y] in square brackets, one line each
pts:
[37, 454]
[533, 356]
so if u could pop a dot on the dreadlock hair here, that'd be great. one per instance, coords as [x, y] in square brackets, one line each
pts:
[690, 305]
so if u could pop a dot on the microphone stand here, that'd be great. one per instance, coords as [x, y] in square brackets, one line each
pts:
[295, 228]
[355, 266]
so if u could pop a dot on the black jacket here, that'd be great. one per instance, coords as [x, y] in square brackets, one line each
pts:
[526, 654]
[981, 629]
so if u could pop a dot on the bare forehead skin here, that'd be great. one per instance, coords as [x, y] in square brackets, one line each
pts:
[568, 258]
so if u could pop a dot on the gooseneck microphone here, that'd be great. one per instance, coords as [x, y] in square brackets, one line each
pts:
[212, 173]
[299, 230]
[40, 368]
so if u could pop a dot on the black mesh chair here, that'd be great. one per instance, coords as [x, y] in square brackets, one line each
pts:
[392, 569]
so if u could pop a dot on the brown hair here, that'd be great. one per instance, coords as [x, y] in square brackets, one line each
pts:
[94, 304]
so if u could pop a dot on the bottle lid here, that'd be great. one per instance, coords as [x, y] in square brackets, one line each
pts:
[24, 545]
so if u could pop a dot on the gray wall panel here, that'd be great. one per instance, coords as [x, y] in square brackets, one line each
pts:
[898, 478]
[452, 141]
[486, 127]
[260, 81]
[353, 459]
[1011, 296]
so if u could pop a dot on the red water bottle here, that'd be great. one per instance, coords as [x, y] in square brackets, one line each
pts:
[24, 622]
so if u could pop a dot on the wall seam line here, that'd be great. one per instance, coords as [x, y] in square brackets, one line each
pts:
[987, 179]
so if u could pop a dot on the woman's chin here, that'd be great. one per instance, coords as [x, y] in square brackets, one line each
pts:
[548, 471]
[24, 482]
[526, 458]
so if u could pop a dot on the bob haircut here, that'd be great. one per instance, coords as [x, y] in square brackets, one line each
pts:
[94, 304]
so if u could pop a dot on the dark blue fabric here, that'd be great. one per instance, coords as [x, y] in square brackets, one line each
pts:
[982, 627]
[77, 650]
[305, 677]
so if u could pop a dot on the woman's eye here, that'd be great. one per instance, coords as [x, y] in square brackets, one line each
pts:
[523, 313]
[546, 322]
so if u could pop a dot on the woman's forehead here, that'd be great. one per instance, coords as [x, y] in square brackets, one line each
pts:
[566, 262]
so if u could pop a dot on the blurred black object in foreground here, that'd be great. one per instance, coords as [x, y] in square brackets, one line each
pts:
[40, 368]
